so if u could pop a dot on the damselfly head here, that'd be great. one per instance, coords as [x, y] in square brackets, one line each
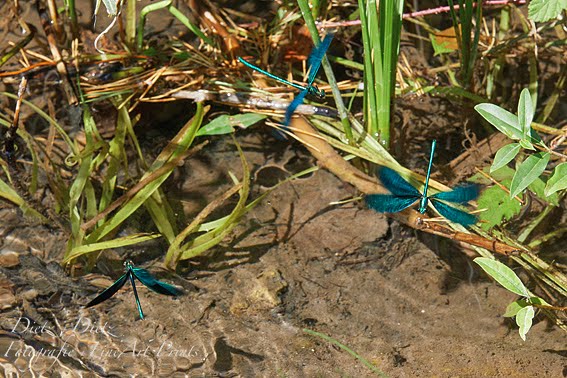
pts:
[315, 91]
[128, 264]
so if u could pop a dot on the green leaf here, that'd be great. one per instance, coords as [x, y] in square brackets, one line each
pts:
[545, 10]
[502, 174]
[525, 112]
[527, 144]
[503, 275]
[528, 172]
[513, 308]
[499, 204]
[557, 181]
[225, 124]
[538, 187]
[504, 156]
[538, 301]
[524, 319]
[503, 120]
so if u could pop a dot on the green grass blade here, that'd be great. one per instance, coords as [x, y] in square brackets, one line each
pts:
[176, 148]
[109, 244]
[78, 186]
[381, 30]
[365, 362]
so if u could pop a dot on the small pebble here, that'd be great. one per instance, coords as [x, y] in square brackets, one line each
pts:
[9, 259]
[29, 295]
[7, 299]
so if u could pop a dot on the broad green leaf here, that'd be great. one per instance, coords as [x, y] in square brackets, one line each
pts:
[504, 156]
[503, 174]
[527, 144]
[506, 122]
[225, 124]
[538, 187]
[558, 180]
[500, 207]
[524, 319]
[513, 308]
[545, 10]
[528, 172]
[539, 301]
[503, 275]
[525, 112]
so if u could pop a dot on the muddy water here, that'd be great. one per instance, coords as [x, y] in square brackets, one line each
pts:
[295, 262]
[411, 305]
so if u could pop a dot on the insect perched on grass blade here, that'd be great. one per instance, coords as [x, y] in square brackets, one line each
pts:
[144, 277]
[314, 61]
[404, 195]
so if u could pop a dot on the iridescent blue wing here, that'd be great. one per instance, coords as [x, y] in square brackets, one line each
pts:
[453, 214]
[461, 194]
[316, 57]
[109, 291]
[396, 183]
[159, 287]
[385, 203]
[294, 104]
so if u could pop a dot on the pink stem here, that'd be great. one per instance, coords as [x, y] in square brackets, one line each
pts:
[487, 3]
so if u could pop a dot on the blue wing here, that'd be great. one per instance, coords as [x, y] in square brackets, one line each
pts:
[396, 183]
[294, 104]
[316, 57]
[109, 291]
[159, 287]
[453, 214]
[461, 194]
[385, 203]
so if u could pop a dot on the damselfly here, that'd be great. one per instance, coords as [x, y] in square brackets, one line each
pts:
[404, 195]
[315, 59]
[144, 277]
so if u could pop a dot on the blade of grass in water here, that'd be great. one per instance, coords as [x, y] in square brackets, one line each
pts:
[365, 362]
